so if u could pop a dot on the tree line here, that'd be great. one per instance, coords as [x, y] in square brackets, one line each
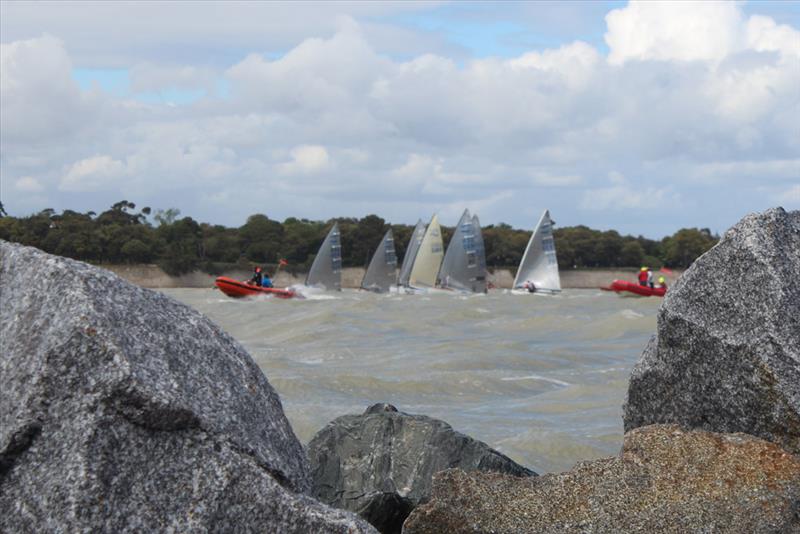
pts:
[123, 234]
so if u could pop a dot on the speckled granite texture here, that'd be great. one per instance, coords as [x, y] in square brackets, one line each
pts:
[122, 410]
[665, 480]
[726, 356]
[380, 464]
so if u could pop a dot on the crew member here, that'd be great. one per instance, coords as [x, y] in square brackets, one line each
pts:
[266, 282]
[256, 280]
[650, 279]
[530, 286]
[662, 282]
[643, 276]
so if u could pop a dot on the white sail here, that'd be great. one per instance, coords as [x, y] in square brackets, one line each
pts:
[429, 257]
[382, 270]
[326, 271]
[464, 265]
[539, 265]
[411, 253]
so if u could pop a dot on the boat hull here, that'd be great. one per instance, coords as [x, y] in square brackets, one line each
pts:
[237, 289]
[623, 287]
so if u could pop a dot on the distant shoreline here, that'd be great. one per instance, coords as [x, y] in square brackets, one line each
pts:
[152, 276]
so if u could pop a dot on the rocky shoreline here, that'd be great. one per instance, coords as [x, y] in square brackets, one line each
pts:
[123, 410]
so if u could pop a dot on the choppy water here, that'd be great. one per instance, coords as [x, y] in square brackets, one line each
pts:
[541, 379]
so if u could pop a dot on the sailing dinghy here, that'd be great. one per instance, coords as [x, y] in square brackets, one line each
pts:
[411, 254]
[538, 270]
[428, 260]
[381, 273]
[464, 264]
[326, 271]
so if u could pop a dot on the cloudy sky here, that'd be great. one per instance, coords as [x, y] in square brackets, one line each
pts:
[643, 117]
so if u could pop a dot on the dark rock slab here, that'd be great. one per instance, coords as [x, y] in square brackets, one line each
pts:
[380, 464]
[123, 410]
[665, 480]
[726, 356]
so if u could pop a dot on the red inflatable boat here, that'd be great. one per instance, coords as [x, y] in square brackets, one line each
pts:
[235, 288]
[623, 286]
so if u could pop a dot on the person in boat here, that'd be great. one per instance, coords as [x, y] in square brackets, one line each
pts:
[257, 277]
[662, 282]
[650, 281]
[266, 281]
[530, 286]
[643, 276]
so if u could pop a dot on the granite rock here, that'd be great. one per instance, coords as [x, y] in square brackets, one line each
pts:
[380, 464]
[665, 480]
[124, 410]
[726, 356]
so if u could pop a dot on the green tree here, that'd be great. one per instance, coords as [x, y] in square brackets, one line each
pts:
[135, 251]
[631, 255]
[365, 237]
[182, 242]
[301, 240]
[686, 245]
[166, 217]
[261, 238]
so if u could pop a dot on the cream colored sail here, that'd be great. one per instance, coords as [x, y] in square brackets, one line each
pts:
[429, 257]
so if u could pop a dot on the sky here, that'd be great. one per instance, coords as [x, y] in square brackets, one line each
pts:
[644, 117]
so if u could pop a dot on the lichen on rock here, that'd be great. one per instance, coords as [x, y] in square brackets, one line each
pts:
[665, 480]
[380, 464]
[726, 356]
[124, 410]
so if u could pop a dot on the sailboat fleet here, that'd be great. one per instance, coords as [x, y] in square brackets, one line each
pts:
[427, 267]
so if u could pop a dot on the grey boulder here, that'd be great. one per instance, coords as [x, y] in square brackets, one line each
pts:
[665, 480]
[726, 356]
[380, 464]
[123, 410]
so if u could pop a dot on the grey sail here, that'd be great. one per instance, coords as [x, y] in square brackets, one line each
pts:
[463, 267]
[539, 265]
[382, 270]
[411, 253]
[480, 251]
[326, 271]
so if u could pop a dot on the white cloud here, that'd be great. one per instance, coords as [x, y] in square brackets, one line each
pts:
[661, 30]
[28, 184]
[557, 180]
[624, 195]
[628, 198]
[175, 32]
[146, 77]
[789, 197]
[755, 171]
[93, 174]
[333, 126]
[763, 34]
[307, 159]
[40, 100]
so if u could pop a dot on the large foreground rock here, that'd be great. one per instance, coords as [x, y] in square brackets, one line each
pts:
[123, 410]
[665, 480]
[727, 353]
[380, 464]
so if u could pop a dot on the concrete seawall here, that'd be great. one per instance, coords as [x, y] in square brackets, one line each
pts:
[153, 277]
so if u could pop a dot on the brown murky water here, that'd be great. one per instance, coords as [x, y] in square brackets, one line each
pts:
[542, 379]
